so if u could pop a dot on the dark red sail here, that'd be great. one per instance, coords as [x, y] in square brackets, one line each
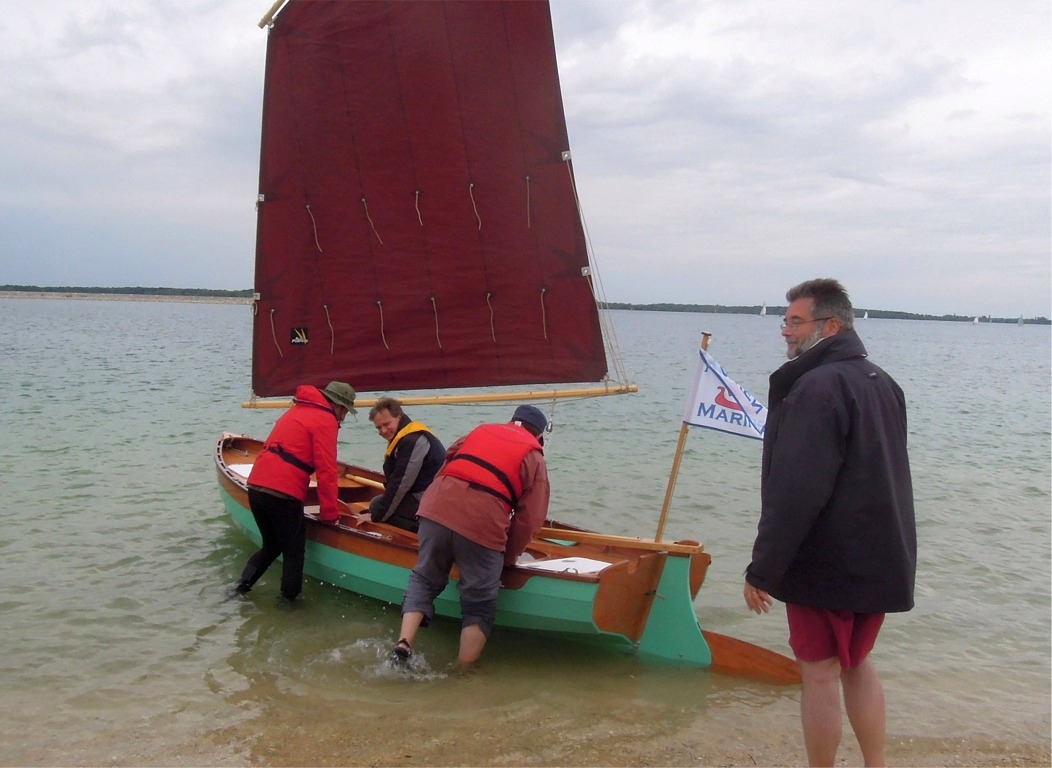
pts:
[417, 224]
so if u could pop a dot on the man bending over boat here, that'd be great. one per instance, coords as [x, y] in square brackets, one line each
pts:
[837, 541]
[412, 459]
[302, 442]
[487, 502]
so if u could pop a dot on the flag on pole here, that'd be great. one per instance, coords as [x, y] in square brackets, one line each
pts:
[716, 402]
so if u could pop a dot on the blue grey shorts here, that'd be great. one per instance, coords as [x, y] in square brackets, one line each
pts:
[479, 583]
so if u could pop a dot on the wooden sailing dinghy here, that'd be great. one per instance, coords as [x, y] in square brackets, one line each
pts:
[419, 229]
[620, 592]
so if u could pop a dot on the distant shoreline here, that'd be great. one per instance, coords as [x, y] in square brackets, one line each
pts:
[205, 296]
[179, 298]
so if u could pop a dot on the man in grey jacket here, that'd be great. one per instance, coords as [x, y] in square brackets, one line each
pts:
[836, 541]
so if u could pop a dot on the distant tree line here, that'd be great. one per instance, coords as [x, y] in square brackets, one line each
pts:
[716, 309]
[133, 291]
[884, 314]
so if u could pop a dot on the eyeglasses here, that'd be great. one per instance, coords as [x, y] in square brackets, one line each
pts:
[794, 323]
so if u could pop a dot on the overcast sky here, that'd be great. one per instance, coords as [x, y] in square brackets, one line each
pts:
[724, 150]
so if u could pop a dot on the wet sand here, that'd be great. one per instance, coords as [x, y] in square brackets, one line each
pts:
[308, 730]
[720, 740]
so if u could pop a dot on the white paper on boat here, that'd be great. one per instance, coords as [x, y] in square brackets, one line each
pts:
[584, 565]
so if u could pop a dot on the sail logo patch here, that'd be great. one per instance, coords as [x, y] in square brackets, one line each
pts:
[299, 336]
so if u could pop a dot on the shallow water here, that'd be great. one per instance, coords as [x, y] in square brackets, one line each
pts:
[116, 550]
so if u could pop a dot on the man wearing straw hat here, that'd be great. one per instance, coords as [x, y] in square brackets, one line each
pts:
[302, 443]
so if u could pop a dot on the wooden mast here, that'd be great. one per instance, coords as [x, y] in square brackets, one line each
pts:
[705, 336]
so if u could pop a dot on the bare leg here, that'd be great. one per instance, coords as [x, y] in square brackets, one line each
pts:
[411, 622]
[864, 701]
[472, 641]
[820, 710]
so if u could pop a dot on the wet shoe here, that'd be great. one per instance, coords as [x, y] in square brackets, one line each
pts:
[238, 590]
[401, 653]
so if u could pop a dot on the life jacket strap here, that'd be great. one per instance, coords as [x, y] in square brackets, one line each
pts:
[281, 453]
[510, 498]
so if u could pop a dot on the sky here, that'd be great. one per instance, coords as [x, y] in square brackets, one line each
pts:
[724, 150]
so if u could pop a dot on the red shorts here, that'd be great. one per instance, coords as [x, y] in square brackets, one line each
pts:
[816, 634]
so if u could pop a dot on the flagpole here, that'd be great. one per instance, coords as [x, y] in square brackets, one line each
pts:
[705, 336]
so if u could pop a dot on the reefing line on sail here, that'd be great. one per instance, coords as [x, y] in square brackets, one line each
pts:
[332, 331]
[274, 331]
[383, 336]
[471, 192]
[365, 205]
[544, 314]
[314, 224]
[434, 307]
[492, 329]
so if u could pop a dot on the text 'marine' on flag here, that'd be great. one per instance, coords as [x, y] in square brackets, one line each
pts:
[717, 402]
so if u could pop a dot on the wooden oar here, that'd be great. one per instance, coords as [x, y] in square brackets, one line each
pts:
[364, 481]
[731, 656]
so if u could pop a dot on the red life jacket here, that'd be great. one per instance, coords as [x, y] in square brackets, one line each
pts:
[490, 459]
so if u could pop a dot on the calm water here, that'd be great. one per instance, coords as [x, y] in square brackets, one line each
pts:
[114, 548]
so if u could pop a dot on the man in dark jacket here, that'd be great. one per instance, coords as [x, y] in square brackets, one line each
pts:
[412, 459]
[836, 541]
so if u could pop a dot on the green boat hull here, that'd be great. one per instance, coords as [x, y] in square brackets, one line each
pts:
[551, 605]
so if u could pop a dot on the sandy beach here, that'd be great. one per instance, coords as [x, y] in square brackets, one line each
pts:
[308, 734]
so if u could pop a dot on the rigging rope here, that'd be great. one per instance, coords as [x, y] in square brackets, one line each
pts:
[471, 191]
[434, 306]
[370, 218]
[332, 333]
[274, 334]
[315, 225]
[383, 336]
[598, 292]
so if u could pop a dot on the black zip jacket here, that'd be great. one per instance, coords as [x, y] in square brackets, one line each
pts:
[837, 528]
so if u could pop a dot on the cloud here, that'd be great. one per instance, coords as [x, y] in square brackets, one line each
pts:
[724, 149]
[742, 144]
[131, 135]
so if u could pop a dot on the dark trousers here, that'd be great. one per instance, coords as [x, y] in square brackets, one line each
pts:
[284, 533]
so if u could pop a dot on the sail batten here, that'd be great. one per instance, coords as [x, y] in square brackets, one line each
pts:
[417, 227]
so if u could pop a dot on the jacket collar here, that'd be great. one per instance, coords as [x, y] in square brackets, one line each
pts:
[842, 346]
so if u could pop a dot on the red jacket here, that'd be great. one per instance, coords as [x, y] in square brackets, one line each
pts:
[303, 440]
